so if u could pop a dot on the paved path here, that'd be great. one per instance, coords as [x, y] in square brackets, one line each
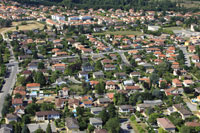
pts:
[10, 81]
[72, 79]
[124, 59]
[187, 58]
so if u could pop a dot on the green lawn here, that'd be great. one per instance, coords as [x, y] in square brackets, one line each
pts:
[174, 28]
[128, 32]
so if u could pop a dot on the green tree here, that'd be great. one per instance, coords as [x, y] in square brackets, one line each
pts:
[153, 117]
[40, 78]
[25, 129]
[26, 119]
[104, 115]
[39, 131]
[41, 65]
[113, 125]
[90, 128]
[49, 130]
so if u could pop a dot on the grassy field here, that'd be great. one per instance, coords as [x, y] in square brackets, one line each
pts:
[173, 28]
[29, 26]
[120, 33]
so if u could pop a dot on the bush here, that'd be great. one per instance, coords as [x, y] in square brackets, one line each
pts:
[133, 118]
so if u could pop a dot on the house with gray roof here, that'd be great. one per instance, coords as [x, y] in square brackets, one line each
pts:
[96, 122]
[34, 126]
[71, 124]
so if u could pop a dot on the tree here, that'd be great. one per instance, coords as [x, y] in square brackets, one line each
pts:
[104, 115]
[113, 125]
[154, 78]
[49, 130]
[100, 88]
[40, 78]
[90, 128]
[112, 111]
[26, 119]
[39, 131]
[153, 117]
[18, 95]
[40, 65]
[17, 27]
[98, 65]
[161, 130]
[25, 129]
[185, 129]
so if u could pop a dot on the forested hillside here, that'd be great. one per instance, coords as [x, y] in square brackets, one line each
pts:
[107, 4]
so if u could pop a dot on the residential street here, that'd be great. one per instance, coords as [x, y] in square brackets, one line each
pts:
[10, 81]
[187, 58]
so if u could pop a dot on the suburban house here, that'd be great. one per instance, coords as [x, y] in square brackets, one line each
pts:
[64, 92]
[98, 75]
[109, 67]
[102, 101]
[71, 125]
[187, 83]
[96, 122]
[110, 85]
[34, 126]
[60, 81]
[182, 111]
[166, 124]
[59, 67]
[17, 102]
[83, 74]
[11, 117]
[47, 115]
[33, 87]
[96, 110]
[126, 108]
[176, 83]
[6, 128]
[73, 103]
[60, 103]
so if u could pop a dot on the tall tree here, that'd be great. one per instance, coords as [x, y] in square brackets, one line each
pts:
[49, 130]
[25, 129]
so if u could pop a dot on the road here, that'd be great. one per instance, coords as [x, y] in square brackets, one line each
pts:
[10, 81]
[124, 59]
[187, 58]
[124, 128]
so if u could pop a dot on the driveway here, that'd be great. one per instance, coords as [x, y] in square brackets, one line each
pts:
[124, 128]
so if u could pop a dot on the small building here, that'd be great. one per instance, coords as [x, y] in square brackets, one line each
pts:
[11, 117]
[125, 108]
[182, 111]
[166, 124]
[96, 122]
[98, 75]
[34, 126]
[71, 125]
[96, 110]
[47, 115]
[33, 87]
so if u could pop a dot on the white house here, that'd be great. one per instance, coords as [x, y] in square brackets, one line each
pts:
[47, 115]
[57, 17]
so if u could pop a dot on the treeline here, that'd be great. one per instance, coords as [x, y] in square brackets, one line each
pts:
[5, 23]
[107, 4]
